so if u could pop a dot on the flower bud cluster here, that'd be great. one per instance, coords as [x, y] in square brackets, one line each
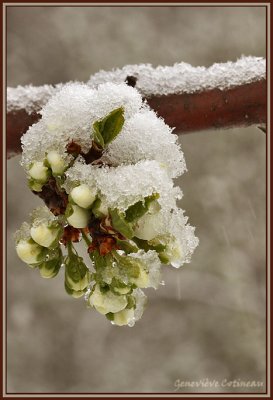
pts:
[104, 164]
[37, 244]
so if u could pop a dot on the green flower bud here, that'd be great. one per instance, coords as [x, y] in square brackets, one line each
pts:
[34, 185]
[49, 269]
[77, 275]
[76, 216]
[39, 172]
[74, 293]
[56, 162]
[83, 196]
[107, 302]
[29, 251]
[123, 317]
[46, 234]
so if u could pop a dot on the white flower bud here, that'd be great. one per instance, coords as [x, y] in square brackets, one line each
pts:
[147, 227]
[123, 317]
[28, 252]
[83, 196]
[56, 162]
[39, 172]
[107, 302]
[44, 235]
[174, 253]
[142, 281]
[79, 218]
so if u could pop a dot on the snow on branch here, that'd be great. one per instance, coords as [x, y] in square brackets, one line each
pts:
[188, 98]
[184, 78]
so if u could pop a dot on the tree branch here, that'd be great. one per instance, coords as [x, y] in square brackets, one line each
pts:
[188, 98]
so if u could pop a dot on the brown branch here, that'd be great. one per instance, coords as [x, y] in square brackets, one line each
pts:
[240, 106]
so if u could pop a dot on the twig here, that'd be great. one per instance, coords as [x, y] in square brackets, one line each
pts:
[212, 104]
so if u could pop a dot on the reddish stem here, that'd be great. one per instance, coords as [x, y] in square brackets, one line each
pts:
[240, 106]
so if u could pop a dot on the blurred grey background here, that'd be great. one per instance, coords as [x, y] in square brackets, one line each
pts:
[208, 321]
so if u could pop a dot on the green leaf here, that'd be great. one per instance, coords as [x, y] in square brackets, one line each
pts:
[107, 129]
[140, 208]
[120, 224]
[98, 139]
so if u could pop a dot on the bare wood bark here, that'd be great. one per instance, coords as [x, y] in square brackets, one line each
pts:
[214, 109]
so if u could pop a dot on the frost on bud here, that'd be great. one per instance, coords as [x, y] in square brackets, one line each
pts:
[77, 275]
[107, 302]
[29, 251]
[76, 216]
[123, 317]
[46, 235]
[39, 172]
[83, 196]
[56, 162]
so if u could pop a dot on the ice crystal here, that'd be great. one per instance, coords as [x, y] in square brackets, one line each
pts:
[141, 300]
[23, 233]
[42, 215]
[153, 265]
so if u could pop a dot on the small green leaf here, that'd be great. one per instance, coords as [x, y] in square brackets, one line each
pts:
[120, 224]
[107, 129]
[98, 139]
[140, 208]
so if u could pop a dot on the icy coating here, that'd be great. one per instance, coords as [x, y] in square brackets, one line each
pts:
[162, 80]
[122, 186]
[184, 78]
[104, 164]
